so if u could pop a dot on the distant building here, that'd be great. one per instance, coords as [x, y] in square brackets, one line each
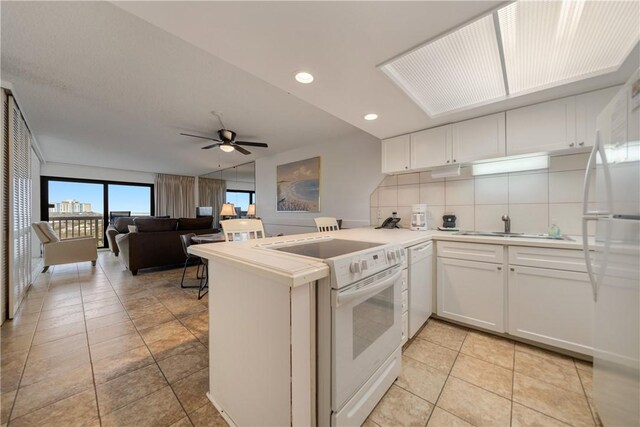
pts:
[71, 206]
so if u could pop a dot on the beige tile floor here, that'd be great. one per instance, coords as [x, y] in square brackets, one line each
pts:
[98, 346]
[452, 376]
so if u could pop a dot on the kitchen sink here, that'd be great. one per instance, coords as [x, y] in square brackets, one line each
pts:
[504, 234]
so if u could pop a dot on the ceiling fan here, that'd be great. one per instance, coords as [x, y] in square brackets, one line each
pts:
[227, 140]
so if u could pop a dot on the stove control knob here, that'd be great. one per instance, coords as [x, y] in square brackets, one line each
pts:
[354, 267]
[391, 256]
[364, 265]
[399, 253]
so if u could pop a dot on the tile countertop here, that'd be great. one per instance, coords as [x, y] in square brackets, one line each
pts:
[406, 238]
[294, 270]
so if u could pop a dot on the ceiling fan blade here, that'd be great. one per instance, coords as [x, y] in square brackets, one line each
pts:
[251, 144]
[201, 137]
[242, 150]
[211, 146]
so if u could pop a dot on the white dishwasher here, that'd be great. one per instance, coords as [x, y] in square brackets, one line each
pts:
[420, 285]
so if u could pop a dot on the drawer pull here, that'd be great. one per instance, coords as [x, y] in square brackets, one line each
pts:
[512, 269]
[499, 268]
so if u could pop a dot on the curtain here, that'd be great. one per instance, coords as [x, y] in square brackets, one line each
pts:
[175, 195]
[212, 192]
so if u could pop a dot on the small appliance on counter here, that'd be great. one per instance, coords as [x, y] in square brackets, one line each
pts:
[391, 222]
[419, 217]
[448, 223]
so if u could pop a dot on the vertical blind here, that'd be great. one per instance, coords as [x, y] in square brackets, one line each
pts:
[4, 211]
[17, 219]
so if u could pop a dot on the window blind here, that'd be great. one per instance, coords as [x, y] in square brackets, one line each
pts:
[19, 207]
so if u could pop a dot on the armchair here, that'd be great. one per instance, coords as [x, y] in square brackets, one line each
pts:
[56, 251]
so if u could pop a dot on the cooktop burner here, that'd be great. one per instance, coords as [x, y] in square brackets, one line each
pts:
[325, 249]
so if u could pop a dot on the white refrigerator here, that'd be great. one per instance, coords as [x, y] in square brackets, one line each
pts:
[613, 256]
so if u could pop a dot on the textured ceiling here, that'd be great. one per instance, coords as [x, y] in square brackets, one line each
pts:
[341, 43]
[113, 86]
[101, 87]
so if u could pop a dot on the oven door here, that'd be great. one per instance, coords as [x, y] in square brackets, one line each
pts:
[366, 329]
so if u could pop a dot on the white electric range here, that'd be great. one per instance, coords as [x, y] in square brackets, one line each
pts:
[359, 324]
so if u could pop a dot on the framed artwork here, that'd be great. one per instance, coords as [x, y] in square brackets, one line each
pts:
[298, 186]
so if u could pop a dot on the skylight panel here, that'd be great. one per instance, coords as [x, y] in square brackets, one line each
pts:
[458, 71]
[550, 43]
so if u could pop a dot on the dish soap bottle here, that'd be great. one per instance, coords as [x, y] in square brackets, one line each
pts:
[554, 230]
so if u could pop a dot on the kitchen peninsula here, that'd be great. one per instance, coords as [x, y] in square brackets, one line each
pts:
[263, 305]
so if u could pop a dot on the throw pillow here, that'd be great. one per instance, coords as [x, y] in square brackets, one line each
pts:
[47, 230]
[133, 229]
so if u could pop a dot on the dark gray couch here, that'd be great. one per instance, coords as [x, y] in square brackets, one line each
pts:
[157, 241]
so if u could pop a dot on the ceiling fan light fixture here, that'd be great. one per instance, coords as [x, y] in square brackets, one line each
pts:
[304, 77]
[227, 148]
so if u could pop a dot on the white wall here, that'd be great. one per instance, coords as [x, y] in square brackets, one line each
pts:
[90, 172]
[533, 200]
[350, 171]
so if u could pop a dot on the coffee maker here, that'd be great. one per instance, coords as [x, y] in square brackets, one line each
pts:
[419, 217]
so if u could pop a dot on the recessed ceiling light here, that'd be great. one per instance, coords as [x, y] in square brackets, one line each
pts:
[370, 116]
[304, 77]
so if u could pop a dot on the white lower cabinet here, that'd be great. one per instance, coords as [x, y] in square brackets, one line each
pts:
[545, 297]
[471, 292]
[553, 307]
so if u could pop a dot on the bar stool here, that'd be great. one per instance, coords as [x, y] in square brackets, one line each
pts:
[203, 276]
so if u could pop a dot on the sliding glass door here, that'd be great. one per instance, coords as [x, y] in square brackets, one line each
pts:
[81, 208]
[76, 209]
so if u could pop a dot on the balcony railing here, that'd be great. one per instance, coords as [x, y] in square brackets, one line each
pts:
[70, 226]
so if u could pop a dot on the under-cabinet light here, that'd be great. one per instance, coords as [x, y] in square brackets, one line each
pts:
[505, 165]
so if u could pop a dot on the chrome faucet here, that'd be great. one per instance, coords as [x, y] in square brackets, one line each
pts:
[507, 223]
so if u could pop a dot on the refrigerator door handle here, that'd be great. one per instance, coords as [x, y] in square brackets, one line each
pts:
[591, 164]
[587, 255]
[587, 179]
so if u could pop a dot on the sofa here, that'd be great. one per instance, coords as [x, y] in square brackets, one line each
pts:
[156, 241]
[120, 225]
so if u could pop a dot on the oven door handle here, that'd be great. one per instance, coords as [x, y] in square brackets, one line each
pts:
[345, 297]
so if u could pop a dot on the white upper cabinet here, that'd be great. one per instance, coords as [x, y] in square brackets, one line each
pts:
[431, 147]
[563, 124]
[588, 107]
[477, 139]
[396, 154]
[548, 126]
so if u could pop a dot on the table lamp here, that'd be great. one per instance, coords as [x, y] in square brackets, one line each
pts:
[227, 210]
[251, 211]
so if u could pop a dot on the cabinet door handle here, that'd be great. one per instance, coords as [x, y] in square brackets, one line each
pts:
[447, 161]
[581, 144]
[499, 268]
[454, 160]
[572, 144]
[512, 269]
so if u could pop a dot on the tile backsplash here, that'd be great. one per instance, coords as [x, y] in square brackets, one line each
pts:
[533, 200]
